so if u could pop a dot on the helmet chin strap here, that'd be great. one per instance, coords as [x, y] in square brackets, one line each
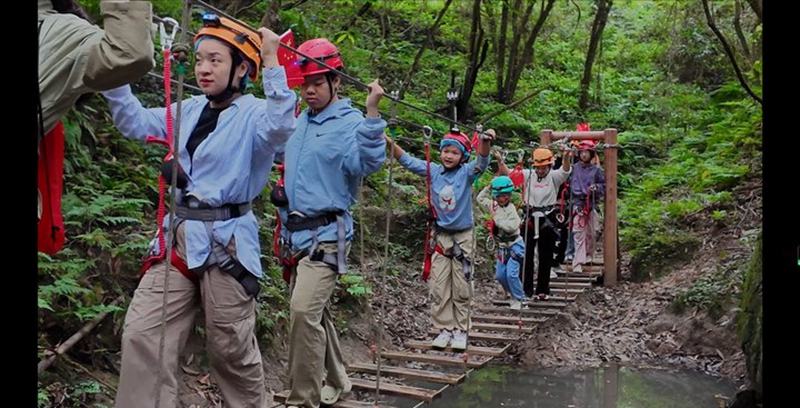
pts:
[333, 95]
[230, 90]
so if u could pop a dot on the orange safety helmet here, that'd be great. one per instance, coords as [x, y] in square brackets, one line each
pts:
[241, 38]
[543, 157]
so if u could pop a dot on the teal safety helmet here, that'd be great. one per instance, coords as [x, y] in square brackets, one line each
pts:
[502, 185]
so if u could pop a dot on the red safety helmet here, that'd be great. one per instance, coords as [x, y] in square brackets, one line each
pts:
[323, 50]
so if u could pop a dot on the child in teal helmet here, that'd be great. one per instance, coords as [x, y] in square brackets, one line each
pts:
[511, 246]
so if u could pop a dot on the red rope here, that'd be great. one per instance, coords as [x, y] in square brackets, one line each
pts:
[161, 213]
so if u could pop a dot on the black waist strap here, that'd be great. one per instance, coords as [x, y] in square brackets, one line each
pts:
[299, 223]
[507, 238]
[543, 209]
[223, 213]
[450, 231]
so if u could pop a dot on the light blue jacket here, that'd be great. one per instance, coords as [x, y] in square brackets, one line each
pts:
[450, 189]
[326, 158]
[231, 166]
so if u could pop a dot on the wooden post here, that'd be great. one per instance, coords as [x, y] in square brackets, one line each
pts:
[610, 216]
[547, 137]
[610, 386]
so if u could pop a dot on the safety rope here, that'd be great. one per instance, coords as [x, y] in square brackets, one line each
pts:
[392, 131]
[393, 97]
[172, 143]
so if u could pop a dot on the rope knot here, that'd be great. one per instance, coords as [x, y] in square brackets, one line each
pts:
[181, 52]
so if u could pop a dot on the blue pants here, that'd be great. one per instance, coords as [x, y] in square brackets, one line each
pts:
[571, 244]
[508, 273]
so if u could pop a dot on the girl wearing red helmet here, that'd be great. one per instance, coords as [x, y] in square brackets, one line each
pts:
[587, 188]
[332, 150]
[451, 197]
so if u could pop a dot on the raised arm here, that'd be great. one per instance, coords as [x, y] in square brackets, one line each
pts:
[276, 118]
[370, 151]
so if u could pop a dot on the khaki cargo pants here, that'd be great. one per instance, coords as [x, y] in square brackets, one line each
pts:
[314, 354]
[449, 289]
[236, 363]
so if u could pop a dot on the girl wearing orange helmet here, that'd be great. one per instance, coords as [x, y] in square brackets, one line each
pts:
[541, 196]
[451, 263]
[226, 148]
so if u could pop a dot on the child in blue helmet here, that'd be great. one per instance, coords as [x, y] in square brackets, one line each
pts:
[511, 246]
[451, 198]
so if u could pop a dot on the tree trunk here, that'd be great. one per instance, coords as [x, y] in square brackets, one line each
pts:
[425, 44]
[599, 24]
[514, 57]
[756, 6]
[500, 48]
[471, 74]
[728, 52]
[527, 56]
[271, 19]
[737, 24]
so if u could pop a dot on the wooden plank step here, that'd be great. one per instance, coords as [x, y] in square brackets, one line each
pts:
[525, 312]
[412, 373]
[555, 301]
[479, 336]
[508, 319]
[474, 350]
[586, 268]
[434, 359]
[570, 285]
[502, 327]
[419, 394]
[342, 403]
[574, 278]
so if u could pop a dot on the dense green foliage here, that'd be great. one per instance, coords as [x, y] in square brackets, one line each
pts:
[689, 135]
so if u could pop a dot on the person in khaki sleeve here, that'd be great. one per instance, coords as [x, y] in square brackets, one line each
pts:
[451, 263]
[77, 58]
[332, 150]
[217, 250]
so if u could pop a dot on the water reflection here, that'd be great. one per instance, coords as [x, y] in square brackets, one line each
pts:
[609, 387]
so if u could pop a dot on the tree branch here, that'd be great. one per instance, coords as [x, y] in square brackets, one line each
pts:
[64, 347]
[290, 6]
[728, 52]
[425, 44]
[510, 106]
[364, 8]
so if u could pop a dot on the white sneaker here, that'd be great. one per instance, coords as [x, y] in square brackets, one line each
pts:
[516, 304]
[553, 275]
[578, 268]
[330, 394]
[443, 339]
[459, 341]
[556, 269]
